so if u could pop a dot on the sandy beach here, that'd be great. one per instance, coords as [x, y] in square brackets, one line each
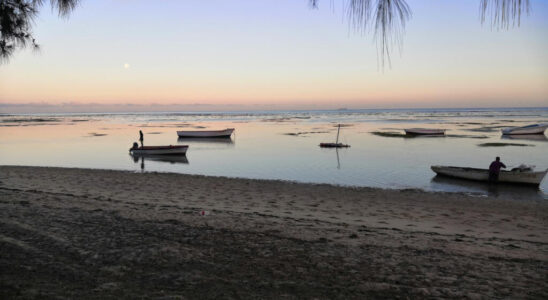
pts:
[82, 233]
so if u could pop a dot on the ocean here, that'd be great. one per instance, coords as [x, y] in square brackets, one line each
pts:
[283, 145]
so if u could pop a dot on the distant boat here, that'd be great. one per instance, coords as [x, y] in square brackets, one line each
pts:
[224, 133]
[336, 144]
[530, 129]
[424, 131]
[515, 176]
[159, 150]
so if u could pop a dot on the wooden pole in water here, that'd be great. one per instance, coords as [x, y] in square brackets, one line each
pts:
[338, 130]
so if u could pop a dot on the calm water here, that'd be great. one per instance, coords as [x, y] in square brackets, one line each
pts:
[284, 145]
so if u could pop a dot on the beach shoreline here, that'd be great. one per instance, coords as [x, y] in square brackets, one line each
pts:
[94, 233]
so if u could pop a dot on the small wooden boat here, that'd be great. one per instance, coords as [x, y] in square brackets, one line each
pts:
[424, 131]
[159, 150]
[224, 133]
[336, 144]
[521, 176]
[530, 129]
[172, 159]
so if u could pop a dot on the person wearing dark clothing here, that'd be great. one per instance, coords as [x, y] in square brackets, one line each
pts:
[494, 169]
[141, 137]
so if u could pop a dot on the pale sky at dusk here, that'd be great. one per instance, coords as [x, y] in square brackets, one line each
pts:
[259, 54]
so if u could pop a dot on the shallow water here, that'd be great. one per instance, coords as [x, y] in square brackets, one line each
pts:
[284, 145]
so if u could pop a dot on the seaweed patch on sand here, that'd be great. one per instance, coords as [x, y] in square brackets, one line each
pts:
[467, 136]
[93, 134]
[486, 129]
[303, 133]
[504, 145]
[390, 134]
[29, 120]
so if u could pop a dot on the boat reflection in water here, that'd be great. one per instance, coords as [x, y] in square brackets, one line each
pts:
[172, 159]
[219, 140]
[512, 191]
[528, 137]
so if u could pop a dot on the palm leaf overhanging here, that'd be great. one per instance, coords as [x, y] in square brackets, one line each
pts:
[504, 13]
[16, 20]
[387, 17]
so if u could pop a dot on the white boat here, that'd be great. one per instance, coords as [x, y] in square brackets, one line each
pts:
[336, 144]
[522, 176]
[206, 133]
[424, 131]
[159, 150]
[530, 129]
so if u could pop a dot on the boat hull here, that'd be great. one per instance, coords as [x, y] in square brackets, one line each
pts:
[160, 150]
[225, 133]
[532, 178]
[531, 129]
[333, 145]
[424, 131]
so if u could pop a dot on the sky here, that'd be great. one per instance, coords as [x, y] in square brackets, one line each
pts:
[126, 55]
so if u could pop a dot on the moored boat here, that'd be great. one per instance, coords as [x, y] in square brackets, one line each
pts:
[424, 131]
[159, 150]
[529, 129]
[520, 176]
[224, 133]
[336, 144]
[172, 159]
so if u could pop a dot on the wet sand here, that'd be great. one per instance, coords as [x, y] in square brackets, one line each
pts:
[80, 233]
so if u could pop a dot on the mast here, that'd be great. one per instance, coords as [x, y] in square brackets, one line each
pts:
[338, 130]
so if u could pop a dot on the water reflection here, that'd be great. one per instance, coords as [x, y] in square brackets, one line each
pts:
[514, 191]
[220, 140]
[172, 159]
[529, 137]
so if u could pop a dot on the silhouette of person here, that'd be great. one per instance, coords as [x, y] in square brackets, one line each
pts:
[141, 139]
[494, 169]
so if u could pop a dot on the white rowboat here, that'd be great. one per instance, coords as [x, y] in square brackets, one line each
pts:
[160, 150]
[530, 129]
[206, 133]
[424, 131]
[517, 176]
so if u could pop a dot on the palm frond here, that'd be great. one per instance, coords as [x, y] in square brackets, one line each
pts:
[387, 17]
[504, 13]
[16, 20]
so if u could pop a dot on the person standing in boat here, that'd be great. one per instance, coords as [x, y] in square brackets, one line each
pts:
[494, 169]
[141, 139]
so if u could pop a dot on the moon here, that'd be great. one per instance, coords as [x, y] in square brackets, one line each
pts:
[126, 66]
